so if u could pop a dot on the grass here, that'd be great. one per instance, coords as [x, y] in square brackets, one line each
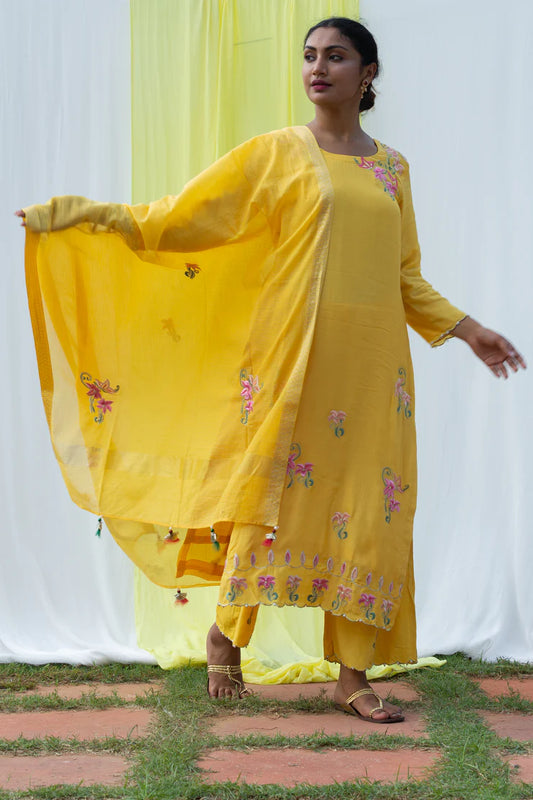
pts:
[163, 765]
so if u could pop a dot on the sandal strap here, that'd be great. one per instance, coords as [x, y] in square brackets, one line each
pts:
[363, 692]
[231, 672]
[224, 669]
[360, 693]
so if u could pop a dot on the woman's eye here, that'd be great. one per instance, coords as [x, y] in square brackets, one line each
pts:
[335, 57]
[308, 57]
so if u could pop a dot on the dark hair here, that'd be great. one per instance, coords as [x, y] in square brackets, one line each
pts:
[363, 42]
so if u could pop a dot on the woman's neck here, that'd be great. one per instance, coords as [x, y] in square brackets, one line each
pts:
[339, 131]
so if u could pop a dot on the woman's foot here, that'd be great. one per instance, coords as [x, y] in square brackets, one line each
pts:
[367, 705]
[221, 652]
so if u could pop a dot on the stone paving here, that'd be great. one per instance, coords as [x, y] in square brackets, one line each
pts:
[286, 766]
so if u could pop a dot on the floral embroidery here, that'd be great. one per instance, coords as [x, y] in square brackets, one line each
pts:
[386, 172]
[266, 584]
[367, 601]
[252, 559]
[404, 399]
[237, 587]
[302, 472]
[319, 587]
[339, 521]
[336, 418]
[288, 557]
[386, 607]
[392, 484]
[192, 270]
[344, 593]
[293, 581]
[250, 386]
[95, 389]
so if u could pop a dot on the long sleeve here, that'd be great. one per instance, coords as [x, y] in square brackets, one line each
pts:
[427, 311]
[215, 207]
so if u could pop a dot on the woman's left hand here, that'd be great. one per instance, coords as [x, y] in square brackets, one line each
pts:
[494, 350]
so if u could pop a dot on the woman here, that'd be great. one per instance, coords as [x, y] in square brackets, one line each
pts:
[313, 454]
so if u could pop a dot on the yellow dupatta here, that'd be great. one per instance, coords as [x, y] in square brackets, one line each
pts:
[172, 338]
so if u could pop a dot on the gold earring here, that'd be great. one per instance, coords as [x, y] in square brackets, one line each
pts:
[364, 86]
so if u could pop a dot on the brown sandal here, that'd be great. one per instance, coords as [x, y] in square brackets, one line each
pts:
[231, 672]
[349, 709]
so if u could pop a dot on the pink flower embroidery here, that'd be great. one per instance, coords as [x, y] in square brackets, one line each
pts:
[104, 405]
[304, 469]
[336, 418]
[300, 471]
[237, 587]
[367, 600]
[369, 579]
[344, 592]
[354, 573]
[288, 557]
[339, 521]
[329, 565]
[266, 581]
[391, 483]
[249, 386]
[319, 587]
[315, 561]
[293, 581]
[252, 559]
[94, 391]
[388, 491]
[95, 388]
[385, 172]
[404, 399]
[386, 607]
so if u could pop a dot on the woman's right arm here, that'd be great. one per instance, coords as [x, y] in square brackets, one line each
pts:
[215, 207]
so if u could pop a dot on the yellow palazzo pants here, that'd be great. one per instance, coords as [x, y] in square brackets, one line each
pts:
[353, 644]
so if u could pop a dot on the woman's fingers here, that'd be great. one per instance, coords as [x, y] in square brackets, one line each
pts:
[20, 213]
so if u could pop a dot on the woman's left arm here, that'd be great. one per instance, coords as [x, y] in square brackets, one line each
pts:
[434, 317]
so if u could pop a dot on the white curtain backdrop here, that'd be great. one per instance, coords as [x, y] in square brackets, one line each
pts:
[454, 97]
[64, 129]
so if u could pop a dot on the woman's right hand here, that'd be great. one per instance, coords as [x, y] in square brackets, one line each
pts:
[21, 214]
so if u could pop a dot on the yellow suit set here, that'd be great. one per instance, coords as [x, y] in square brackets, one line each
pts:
[233, 364]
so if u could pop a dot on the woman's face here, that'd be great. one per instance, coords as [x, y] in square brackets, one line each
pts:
[332, 71]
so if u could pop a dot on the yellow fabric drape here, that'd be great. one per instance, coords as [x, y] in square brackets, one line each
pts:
[206, 76]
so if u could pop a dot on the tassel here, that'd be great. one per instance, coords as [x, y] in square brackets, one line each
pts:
[99, 528]
[171, 537]
[270, 537]
[214, 540]
[180, 598]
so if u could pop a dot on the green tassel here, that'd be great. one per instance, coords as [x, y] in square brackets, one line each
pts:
[214, 540]
[99, 528]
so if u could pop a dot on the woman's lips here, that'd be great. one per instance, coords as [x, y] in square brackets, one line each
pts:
[320, 85]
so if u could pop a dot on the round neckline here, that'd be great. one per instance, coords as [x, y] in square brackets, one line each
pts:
[378, 152]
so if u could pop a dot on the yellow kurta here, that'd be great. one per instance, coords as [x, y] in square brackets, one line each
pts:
[173, 387]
